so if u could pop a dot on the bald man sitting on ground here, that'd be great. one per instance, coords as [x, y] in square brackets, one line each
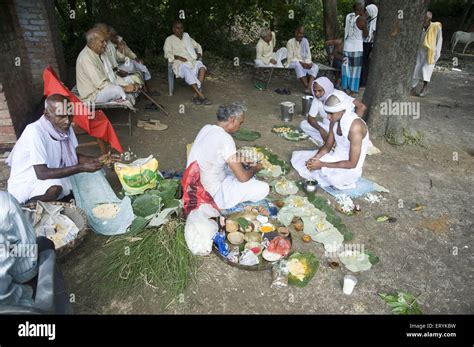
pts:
[45, 156]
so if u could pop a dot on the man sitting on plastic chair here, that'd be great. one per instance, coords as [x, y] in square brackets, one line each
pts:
[26, 263]
[185, 54]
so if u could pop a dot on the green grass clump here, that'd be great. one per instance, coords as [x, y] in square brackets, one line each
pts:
[154, 257]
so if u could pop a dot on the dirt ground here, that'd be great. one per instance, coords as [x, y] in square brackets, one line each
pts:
[427, 253]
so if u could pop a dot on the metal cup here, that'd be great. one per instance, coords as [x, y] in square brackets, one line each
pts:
[287, 111]
[307, 100]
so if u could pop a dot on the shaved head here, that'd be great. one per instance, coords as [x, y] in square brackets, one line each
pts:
[429, 15]
[58, 110]
[333, 100]
[53, 101]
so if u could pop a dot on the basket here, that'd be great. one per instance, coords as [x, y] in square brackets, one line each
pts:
[264, 265]
[79, 218]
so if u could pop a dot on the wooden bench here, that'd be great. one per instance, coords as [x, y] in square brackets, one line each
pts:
[322, 67]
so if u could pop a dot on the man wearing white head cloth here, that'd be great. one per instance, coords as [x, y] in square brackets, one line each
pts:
[317, 123]
[45, 156]
[341, 167]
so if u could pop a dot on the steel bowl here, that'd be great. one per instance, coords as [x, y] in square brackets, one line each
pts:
[310, 186]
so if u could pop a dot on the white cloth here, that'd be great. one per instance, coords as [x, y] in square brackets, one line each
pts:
[294, 51]
[317, 108]
[339, 178]
[279, 55]
[353, 38]
[372, 11]
[188, 43]
[108, 68]
[312, 132]
[189, 72]
[233, 192]
[35, 147]
[134, 66]
[110, 93]
[212, 148]
[301, 71]
[423, 70]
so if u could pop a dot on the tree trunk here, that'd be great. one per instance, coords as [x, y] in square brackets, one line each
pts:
[392, 64]
[330, 19]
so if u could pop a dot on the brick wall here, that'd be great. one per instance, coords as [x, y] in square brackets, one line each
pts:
[39, 29]
[28, 32]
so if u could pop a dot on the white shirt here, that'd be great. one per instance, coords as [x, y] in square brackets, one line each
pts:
[34, 147]
[353, 41]
[212, 148]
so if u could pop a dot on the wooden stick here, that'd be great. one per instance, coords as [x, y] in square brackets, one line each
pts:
[154, 102]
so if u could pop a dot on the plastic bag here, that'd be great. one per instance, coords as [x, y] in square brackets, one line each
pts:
[194, 194]
[199, 230]
[285, 187]
[301, 268]
[93, 189]
[138, 176]
[280, 274]
[248, 258]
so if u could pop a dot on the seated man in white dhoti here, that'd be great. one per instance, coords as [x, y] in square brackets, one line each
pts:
[223, 174]
[317, 123]
[96, 81]
[299, 58]
[340, 167]
[266, 57]
[185, 54]
[45, 156]
[428, 53]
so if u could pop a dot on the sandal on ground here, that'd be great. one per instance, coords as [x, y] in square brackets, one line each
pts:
[197, 101]
[141, 122]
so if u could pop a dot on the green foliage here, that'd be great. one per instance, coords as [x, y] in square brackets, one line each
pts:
[243, 223]
[373, 259]
[402, 303]
[413, 139]
[274, 160]
[157, 258]
[246, 135]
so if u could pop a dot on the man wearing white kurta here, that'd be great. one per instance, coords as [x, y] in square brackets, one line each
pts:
[299, 58]
[266, 57]
[223, 175]
[340, 167]
[428, 53]
[45, 156]
[185, 54]
[317, 123]
[96, 81]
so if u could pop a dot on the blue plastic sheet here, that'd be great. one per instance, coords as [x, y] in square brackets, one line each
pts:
[93, 189]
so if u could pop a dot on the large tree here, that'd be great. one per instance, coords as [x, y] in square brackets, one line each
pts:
[330, 19]
[397, 39]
